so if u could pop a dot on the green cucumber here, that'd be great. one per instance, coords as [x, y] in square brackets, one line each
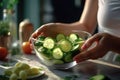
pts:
[60, 36]
[57, 53]
[76, 47]
[60, 49]
[49, 43]
[73, 37]
[65, 45]
[80, 43]
[99, 77]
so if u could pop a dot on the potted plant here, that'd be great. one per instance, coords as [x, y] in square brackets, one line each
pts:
[4, 34]
[9, 4]
[7, 26]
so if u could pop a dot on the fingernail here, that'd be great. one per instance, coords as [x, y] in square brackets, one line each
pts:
[83, 47]
[76, 59]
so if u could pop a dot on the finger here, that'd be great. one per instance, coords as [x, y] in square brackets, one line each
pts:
[32, 36]
[38, 32]
[96, 52]
[91, 40]
[85, 55]
[88, 54]
[35, 35]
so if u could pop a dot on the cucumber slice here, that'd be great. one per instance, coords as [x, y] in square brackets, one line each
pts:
[80, 39]
[81, 43]
[60, 36]
[73, 37]
[48, 43]
[98, 77]
[57, 53]
[76, 47]
[60, 49]
[65, 45]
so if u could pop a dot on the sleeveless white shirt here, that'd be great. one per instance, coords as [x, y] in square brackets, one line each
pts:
[109, 21]
[109, 16]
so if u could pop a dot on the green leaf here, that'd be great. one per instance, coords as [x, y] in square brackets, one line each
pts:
[4, 28]
[9, 4]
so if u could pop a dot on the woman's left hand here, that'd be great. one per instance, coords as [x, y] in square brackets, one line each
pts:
[98, 50]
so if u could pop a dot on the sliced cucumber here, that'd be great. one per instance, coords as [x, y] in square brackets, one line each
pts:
[65, 45]
[73, 37]
[80, 39]
[98, 77]
[57, 53]
[49, 43]
[59, 49]
[81, 43]
[76, 47]
[60, 36]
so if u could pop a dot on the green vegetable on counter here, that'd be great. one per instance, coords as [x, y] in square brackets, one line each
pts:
[99, 77]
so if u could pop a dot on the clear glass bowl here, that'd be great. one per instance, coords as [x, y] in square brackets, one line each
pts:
[50, 62]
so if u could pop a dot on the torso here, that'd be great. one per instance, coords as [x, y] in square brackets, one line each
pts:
[109, 21]
[109, 16]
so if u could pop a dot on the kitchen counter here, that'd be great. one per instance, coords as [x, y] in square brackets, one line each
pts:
[82, 71]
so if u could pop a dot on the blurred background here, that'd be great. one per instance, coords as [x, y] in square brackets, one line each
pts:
[43, 11]
[19, 18]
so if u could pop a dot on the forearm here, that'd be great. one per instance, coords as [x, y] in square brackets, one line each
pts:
[88, 18]
[89, 15]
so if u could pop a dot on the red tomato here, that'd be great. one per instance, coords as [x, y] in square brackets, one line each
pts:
[3, 53]
[26, 48]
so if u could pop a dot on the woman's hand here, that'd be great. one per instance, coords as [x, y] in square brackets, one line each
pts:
[44, 30]
[104, 43]
[48, 29]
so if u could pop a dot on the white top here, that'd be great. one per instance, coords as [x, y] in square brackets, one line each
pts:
[109, 21]
[109, 16]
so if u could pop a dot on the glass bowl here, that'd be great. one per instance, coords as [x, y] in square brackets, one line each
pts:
[52, 61]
